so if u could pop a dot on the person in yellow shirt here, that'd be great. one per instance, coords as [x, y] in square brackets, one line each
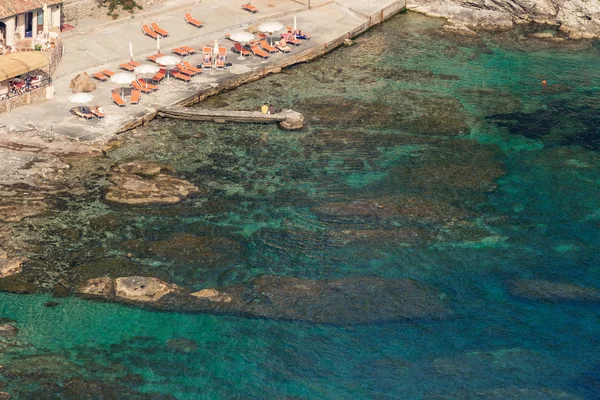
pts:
[264, 109]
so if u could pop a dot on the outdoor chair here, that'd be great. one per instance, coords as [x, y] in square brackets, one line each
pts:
[118, 100]
[179, 76]
[160, 75]
[183, 70]
[259, 52]
[153, 57]
[148, 31]
[128, 67]
[143, 83]
[158, 30]
[249, 7]
[141, 88]
[189, 66]
[135, 97]
[192, 21]
[267, 47]
[189, 49]
[284, 49]
[180, 52]
[240, 49]
[100, 76]
[95, 110]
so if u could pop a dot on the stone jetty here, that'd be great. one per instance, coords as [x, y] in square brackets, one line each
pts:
[287, 119]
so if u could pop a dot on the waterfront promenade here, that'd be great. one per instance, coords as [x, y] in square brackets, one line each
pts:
[93, 47]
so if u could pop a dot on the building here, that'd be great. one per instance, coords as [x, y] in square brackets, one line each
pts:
[21, 19]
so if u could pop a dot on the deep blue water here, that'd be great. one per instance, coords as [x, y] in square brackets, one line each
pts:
[508, 167]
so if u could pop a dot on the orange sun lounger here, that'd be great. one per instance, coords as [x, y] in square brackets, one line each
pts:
[158, 30]
[182, 77]
[180, 52]
[183, 70]
[148, 31]
[127, 66]
[192, 21]
[143, 83]
[100, 76]
[258, 51]
[107, 72]
[189, 49]
[249, 7]
[190, 67]
[160, 75]
[244, 52]
[135, 97]
[153, 57]
[267, 47]
[118, 100]
[141, 88]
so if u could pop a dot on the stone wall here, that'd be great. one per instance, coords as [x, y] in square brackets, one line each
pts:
[33, 97]
[55, 56]
[73, 10]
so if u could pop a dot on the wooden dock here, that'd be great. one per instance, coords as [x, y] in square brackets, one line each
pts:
[287, 119]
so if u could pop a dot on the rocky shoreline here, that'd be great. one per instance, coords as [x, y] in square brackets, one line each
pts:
[573, 19]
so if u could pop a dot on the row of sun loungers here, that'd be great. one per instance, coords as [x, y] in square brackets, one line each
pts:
[154, 31]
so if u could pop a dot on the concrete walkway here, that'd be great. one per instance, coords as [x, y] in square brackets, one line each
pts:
[91, 48]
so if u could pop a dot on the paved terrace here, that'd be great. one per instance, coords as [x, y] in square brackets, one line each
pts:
[93, 47]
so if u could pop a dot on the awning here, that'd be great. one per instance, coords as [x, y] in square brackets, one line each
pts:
[16, 64]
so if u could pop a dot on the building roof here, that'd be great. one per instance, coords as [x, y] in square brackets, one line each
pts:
[16, 64]
[8, 8]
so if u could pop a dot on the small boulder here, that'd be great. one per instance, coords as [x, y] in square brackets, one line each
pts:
[82, 83]
[142, 289]
[10, 267]
[96, 287]
[212, 295]
[7, 330]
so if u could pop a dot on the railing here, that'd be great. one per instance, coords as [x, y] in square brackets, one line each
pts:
[12, 93]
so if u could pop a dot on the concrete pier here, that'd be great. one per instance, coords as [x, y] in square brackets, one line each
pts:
[287, 119]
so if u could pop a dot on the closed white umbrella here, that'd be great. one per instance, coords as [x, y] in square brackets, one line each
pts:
[122, 78]
[168, 61]
[270, 28]
[146, 69]
[295, 28]
[81, 98]
[216, 47]
[130, 51]
[242, 37]
[158, 43]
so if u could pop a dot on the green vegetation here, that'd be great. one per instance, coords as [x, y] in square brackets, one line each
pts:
[128, 5]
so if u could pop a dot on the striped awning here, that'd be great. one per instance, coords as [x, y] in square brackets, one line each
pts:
[16, 64]
[8, 8]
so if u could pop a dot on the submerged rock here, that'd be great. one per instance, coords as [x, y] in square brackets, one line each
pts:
[538, 289]
[10, 267]
[147, 183]
[346, 301]
[142, 289]
[7, 330]
[507, 394]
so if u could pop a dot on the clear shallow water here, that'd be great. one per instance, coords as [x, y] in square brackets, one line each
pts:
[504, 175]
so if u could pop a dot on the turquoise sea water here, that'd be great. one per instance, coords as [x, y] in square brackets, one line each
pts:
[504, 175]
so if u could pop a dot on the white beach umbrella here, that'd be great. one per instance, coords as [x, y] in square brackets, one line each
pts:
[122, 78]
[168, 61]
[242, 37]
[146, 69]
[81, 98]
[270, 28]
